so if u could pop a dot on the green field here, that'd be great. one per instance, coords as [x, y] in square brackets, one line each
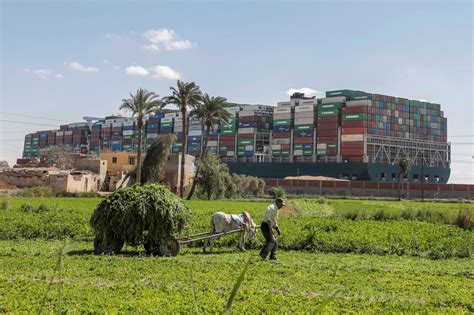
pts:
[377, 256]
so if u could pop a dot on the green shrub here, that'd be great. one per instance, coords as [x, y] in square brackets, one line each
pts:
[277, 192]
[26, 207]
[139, 213]
[40, 191]
[4, 205]
[464, 219]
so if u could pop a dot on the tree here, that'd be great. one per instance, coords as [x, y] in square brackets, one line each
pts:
[405, 166]
[141, 104]
[156, 158]
[215, 179]
[187, 94]
[208, 111]
[57, 156]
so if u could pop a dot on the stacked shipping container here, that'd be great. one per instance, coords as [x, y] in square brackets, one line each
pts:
[283, 116]
[304, 130]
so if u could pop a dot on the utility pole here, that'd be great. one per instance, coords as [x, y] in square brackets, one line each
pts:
[423, 175]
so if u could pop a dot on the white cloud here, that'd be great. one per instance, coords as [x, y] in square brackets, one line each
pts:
[306, 91]
[45, 73]
[76, 66]
[106, 61]
[137, 70]
[179, 44]
[166, 38]
[165, 72]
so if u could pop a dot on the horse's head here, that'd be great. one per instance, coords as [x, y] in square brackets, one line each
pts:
[250, 225]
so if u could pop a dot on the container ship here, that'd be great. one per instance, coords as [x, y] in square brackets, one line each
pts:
[348, 134]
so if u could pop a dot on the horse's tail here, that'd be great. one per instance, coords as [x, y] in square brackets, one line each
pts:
[213, 226]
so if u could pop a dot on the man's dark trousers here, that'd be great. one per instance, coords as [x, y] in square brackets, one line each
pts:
[270, 242]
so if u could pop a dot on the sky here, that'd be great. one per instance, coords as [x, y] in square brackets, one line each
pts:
[62, 60]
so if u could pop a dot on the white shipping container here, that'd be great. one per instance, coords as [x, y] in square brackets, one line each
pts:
[68, 133]
[169, 115]
[128, 123]
[230, 153]
[233, 110]
[282, 116]
[246, 113]
[195, 133]
[298, 152]
[321, 146]
[304, 121]
[81, 124]
[127, 132]
[283, 104]
[60, 133]
[194, 127]
[400, 121]
[212, 143]
[384, 119]
[349, 138]
[276, 146]
[117, 124]
[337, 99]
[280, 141]
[358, 103]
[249, 148]
[152, 135]
[73, 125]
[304, 108]
[304, 115]
[246, 131]
[167, 119]
[281, 110]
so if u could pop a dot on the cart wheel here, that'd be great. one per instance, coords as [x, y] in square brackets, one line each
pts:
[169, 247]
[151, 248]
[114, 248]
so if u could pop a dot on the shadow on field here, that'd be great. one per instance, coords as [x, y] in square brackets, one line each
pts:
[85, 252]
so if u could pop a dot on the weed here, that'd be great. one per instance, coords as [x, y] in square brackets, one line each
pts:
[465, 219]
[4, 205]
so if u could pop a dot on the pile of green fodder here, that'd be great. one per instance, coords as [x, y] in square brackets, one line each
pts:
[138, 215]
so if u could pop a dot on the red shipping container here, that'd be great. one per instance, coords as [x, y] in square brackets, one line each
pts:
[327, 133]
[281, 134]
[302, 140]
[345, 152]
[326, 139]
[354, 110]
[328, 119]
[245, 137]
[327, 126]
[285, 146]
[353, 130]
[353, 145]
[354, 123]
[228, 137]
[248, 119]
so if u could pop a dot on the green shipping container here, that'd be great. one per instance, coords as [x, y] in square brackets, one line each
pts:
[349, 117]
[298, 147]
[329, 112]
[223, 149]
[332, 146]
[285, 153]
[330, 106]
[282, 122]
[304, 127]
[245, 142]
[346, 93]
[321, 152]
[307, 152]
[167, 125]
[228, 132]
[276, 153]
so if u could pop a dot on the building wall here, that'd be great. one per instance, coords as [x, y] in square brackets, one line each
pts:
[119, 161]
[95, 166]
[370, 189]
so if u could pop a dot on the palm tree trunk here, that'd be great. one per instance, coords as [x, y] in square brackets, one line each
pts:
[139, 154]
[203, 152]
[184, 139]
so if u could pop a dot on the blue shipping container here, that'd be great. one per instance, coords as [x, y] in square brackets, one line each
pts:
[303, 133]
[285, 128]
[251, 124]
[248, 153]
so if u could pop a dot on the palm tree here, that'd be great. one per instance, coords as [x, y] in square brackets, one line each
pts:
[209, 110]
[188, 94]
[142, 103]
[405, 166]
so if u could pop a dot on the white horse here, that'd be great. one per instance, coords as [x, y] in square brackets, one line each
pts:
[223, 223]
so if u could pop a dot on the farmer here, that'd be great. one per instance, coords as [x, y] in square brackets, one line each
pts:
[269, 226]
